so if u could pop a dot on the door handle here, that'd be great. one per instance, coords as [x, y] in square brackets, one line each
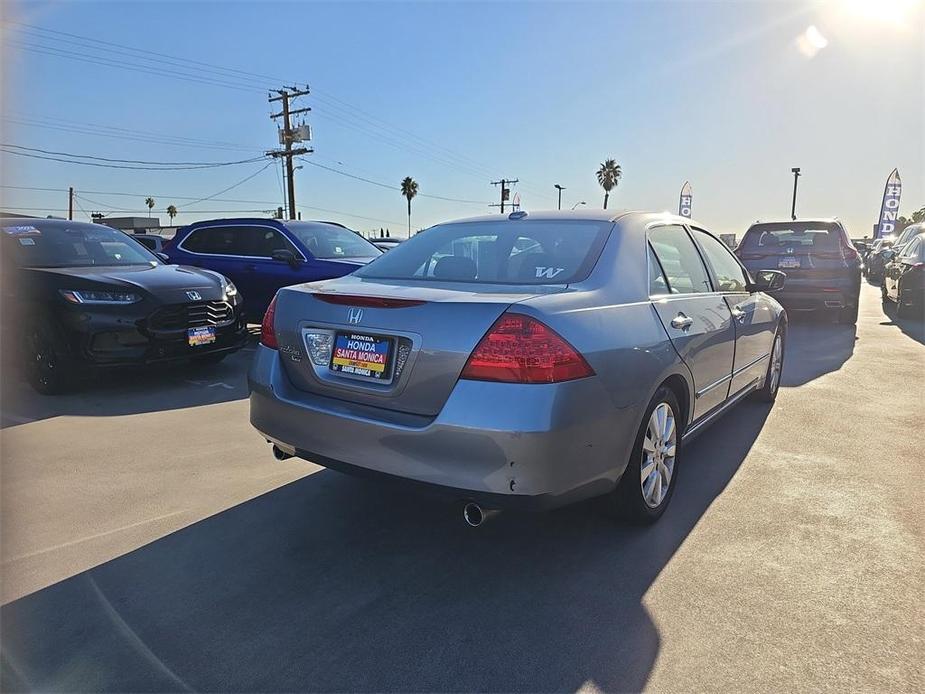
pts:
[682, 322]
[738, 314]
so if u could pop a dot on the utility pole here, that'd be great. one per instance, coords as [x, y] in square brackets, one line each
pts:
[560, 189]
[70, 203]
[505, 190]
[796, 177]
[289, 136]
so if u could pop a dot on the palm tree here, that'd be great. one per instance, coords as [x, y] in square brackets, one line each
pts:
[608, 176]
[409, 188]
[171, 212]
[150, 203]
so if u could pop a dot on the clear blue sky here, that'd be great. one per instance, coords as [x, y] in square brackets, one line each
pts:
[456, 95]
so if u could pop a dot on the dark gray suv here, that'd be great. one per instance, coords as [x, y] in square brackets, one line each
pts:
[822, 265]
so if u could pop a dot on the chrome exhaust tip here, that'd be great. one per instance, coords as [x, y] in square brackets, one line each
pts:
[475, 515]
[280, 454]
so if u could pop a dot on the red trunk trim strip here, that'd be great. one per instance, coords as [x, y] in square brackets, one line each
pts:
[367, 301]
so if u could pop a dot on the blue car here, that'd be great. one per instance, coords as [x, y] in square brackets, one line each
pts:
[262, 255]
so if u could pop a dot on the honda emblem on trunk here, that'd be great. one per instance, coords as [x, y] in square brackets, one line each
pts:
[193, 296]
[354, 315]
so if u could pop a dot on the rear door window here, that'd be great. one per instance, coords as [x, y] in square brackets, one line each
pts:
[248, 241]
[658, 284]
[730, 276]
[680, 260]
[523, 252]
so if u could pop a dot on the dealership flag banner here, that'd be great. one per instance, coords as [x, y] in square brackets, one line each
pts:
[684, 206]
[889, 208]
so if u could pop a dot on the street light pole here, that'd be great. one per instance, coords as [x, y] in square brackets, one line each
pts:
[796, 177]
[579, 203]
[560, 189]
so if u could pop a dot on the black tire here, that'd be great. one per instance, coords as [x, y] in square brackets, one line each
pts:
[628, 497]
[768, 392]
[210, 359]
[883, 293]
[848, 315]
[45, 358]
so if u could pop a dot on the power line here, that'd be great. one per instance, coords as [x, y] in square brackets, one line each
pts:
[133, 161]
[35, 28]
[116, 166]
[150, 70]
[386, 185]
[385, 133]
[100, 131]
[234, 185]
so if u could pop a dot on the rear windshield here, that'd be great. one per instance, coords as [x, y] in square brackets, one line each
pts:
[71, 244]
[524, 252]
[800, 237]
[327, 241]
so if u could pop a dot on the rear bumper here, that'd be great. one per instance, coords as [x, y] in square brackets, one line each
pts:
[803, 295]
[502, 445]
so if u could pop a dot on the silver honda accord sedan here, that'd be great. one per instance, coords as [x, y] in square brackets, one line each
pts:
[522, 361]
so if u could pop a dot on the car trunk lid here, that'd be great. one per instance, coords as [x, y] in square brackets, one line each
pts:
[399, 346]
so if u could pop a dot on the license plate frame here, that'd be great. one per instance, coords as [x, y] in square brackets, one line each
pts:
[353, 361]
[200, 337]
[788, 262]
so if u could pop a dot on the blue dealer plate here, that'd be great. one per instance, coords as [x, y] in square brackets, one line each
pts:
[200, 336]
[362, 356]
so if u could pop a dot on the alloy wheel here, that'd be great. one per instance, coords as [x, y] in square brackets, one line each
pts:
[658, 455]
[777, 359]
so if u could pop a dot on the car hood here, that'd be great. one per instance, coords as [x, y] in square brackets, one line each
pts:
[170, 283]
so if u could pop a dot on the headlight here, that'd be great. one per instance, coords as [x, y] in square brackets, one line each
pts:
[84, 296]
[230, 289]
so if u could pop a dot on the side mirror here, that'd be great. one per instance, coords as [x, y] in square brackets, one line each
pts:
[285, 256]
[768, 281]
[164, 257]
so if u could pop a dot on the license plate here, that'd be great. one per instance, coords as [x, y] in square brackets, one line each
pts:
[360, 355]
[788, 261]
[200, 336]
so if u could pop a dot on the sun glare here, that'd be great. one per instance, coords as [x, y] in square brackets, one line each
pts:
[893, 12]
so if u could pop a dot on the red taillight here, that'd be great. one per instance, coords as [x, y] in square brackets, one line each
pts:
[367, 301]
[267, 332]
[520, 349]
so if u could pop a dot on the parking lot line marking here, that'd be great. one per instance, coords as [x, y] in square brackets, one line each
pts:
[105, 533]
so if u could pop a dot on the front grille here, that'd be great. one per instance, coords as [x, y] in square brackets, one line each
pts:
[193, 315]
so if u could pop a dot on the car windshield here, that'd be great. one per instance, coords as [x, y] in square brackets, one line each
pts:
[542, 252]
[329, 241]
[42, 243]
[800, 237]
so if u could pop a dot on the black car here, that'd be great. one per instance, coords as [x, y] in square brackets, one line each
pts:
[823, 268]
[877, 257]
[904, 277]
[78, 296]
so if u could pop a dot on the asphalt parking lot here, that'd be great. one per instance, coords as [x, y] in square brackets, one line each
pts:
[151, 542]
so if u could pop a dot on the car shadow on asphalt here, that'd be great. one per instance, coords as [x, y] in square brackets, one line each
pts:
[334, 583]
[815, 346]
[912, 327]
[129, 390]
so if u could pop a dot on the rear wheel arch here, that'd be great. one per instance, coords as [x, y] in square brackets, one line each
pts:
[678, 385]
